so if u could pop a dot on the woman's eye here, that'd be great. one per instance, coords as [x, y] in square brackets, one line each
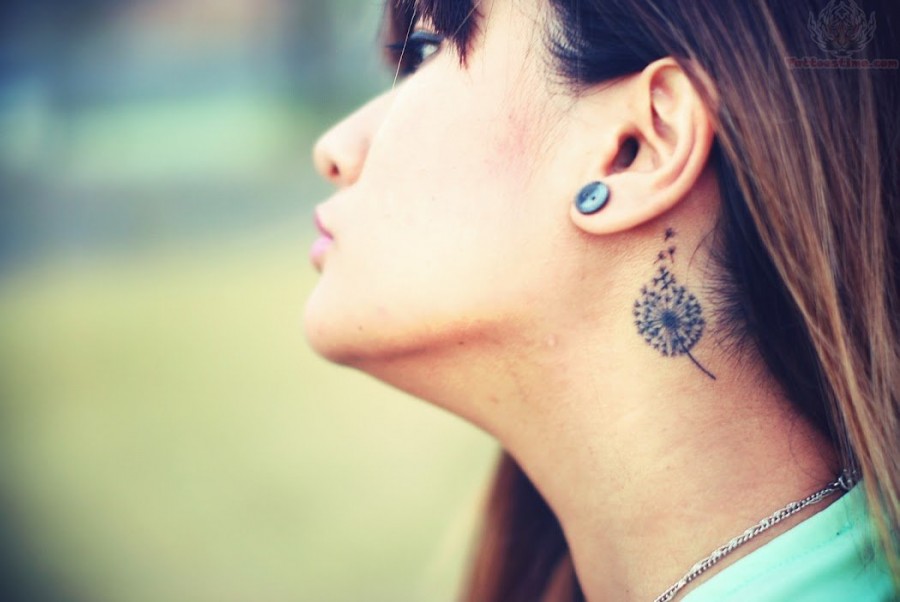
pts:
[410, 54]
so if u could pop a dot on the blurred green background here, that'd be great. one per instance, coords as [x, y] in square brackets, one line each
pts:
[165, 433]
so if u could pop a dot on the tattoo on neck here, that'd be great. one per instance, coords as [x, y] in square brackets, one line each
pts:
[667, 315]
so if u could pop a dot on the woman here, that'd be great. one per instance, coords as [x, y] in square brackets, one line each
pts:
[657, 261]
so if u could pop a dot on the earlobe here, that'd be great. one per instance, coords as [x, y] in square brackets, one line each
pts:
[671, 135]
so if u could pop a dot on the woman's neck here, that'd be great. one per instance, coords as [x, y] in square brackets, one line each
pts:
[648, 474]
[648, 463]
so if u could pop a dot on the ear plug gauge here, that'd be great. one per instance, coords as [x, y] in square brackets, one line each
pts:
[592, 198]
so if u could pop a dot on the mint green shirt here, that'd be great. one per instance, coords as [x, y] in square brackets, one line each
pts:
[831, 556]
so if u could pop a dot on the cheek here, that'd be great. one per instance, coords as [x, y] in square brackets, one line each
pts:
[445, 177]
[512, 142]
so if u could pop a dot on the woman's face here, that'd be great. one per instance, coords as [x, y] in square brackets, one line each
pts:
[448, 213]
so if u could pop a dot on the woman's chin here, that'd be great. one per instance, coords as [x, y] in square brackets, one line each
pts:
[344, 335]
[361, 334]
[327, 334]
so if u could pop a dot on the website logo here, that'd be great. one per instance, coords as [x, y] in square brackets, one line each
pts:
[841, 28]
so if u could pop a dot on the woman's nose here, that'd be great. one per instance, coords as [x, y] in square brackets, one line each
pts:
[340, 154]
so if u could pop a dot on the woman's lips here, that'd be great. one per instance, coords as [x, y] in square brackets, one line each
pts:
[321, 245]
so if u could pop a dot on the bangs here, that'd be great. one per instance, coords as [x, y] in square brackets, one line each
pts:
[456, 20]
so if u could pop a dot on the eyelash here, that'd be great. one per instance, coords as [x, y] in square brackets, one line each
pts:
[408, 54]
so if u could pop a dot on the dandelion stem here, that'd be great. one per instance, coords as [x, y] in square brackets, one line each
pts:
[696, 363]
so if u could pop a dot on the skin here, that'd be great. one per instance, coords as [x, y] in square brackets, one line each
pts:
[461, 273]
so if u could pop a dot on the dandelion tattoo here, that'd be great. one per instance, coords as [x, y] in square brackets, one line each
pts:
[668, 316]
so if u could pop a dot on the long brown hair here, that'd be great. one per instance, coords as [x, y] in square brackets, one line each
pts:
[807, 238]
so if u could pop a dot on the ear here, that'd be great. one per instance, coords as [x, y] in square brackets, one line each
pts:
[656, 148]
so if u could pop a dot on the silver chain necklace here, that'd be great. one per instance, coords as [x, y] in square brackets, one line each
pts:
[845, 482]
